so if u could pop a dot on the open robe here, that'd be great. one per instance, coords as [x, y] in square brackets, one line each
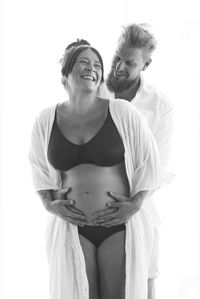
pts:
[68, 279]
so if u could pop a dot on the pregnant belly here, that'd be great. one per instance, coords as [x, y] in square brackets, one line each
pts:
[90, 185]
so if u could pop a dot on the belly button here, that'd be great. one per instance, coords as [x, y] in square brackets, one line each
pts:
[87, 192]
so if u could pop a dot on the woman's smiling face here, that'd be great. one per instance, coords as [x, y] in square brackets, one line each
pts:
[87, 71]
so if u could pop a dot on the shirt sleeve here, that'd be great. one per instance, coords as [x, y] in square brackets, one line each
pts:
[163, 137]
[163, 134]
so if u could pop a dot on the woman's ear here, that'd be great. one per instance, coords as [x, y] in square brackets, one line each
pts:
[147, 63]
[64, 81]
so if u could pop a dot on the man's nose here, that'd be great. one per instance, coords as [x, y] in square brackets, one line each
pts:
[119, 66]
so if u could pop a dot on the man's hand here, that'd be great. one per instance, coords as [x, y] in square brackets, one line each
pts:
[57, 203]
[120, 211]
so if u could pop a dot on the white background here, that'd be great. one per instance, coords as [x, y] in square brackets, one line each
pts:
[34, 36]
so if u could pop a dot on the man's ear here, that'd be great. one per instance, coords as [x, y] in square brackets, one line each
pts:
[147, 63]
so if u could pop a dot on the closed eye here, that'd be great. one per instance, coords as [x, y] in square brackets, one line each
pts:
[116, 59]
[86, 62]
[131, 64]
[83, 61]
[97, 66]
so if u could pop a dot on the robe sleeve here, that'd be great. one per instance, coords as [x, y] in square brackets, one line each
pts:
[40, 171]
[145, 156]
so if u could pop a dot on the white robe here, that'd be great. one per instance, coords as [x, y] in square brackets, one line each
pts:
[68, 279]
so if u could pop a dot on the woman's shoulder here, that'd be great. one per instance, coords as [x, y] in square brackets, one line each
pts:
[125, 107]
[120, 104]
[45, 114]
[129, 114]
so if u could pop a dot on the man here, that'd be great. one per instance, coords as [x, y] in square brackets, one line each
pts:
[125, 80]
[132, 57]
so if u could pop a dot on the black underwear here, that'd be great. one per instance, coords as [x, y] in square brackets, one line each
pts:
[97, 234]
[104, 149]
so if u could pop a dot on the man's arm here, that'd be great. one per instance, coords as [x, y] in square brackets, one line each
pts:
[163, 135]
[56, 202]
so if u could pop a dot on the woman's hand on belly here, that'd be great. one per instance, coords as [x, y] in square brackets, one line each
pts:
[119, 211]
[64, 207]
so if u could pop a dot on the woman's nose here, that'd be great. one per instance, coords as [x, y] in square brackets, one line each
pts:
[90, 66]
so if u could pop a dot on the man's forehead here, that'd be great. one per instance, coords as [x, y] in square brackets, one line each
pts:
[129, 53]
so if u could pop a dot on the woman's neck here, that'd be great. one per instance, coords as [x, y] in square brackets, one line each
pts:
[84, 104]
[81, 103]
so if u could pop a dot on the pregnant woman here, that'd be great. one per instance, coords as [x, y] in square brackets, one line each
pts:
[88, 153]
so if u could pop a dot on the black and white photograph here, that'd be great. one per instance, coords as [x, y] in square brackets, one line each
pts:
[99, 149]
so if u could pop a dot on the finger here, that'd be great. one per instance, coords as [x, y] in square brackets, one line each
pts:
[113, 222]
[65, 191]
[118, 197]
[106, 218]
[73, 221]
[63, 202]
[75, 210]
[67, 213]
[75, 216]
[114, 204]
[60, 193]
[68, 190]
[107, 211]
[76, 222]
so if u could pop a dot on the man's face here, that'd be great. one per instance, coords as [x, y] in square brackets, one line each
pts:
[126, 67]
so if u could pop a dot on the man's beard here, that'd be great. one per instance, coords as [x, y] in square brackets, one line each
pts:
[117, 84]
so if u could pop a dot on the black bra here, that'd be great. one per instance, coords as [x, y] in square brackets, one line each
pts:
[104, 149]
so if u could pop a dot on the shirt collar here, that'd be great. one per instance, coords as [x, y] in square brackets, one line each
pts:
[142, 88]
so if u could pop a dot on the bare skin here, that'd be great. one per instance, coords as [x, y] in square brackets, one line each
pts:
[151, 288]
[105, 267]
[88, 188]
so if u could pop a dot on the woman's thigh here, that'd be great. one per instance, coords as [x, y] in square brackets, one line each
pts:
[90, 255]
[111, 263]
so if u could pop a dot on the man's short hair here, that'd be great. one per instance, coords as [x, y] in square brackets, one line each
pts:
[138, 36]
